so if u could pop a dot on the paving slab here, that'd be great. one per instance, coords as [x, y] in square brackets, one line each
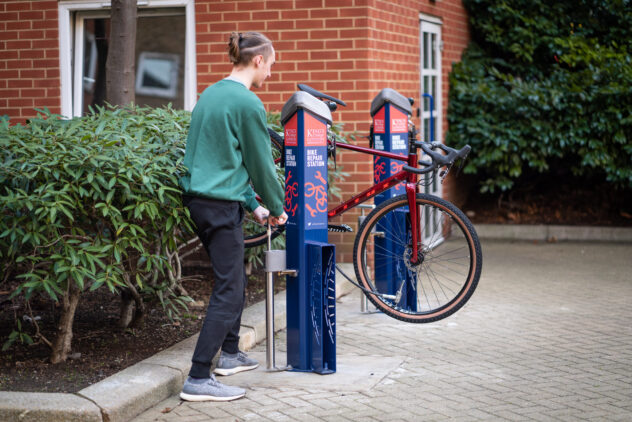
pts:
[353, 373]
[546, 336]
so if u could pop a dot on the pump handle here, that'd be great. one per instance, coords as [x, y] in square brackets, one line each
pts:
[320, 95]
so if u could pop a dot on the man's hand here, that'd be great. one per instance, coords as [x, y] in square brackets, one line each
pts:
[279, 220]
[261, 214]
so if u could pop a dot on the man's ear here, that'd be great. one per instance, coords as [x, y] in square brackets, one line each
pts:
[258, 60]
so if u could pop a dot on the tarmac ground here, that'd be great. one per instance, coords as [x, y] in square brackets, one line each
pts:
[546, 336]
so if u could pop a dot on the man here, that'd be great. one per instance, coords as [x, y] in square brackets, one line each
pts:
[227, 146]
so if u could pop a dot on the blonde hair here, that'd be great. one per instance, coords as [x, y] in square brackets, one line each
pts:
[242, 47]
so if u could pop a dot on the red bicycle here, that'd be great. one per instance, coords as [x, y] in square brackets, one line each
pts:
[433, 254]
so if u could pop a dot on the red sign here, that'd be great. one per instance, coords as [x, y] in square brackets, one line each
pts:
[378, 122]
[399, 121]
[291, 132]
[315, 132]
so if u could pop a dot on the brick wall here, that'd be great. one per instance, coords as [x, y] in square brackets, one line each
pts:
[29, 58]
[350, 49]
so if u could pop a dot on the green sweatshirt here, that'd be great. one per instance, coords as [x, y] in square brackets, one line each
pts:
[228, 144]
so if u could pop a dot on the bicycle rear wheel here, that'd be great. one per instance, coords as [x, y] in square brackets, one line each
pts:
[255, 233]
[449, 259]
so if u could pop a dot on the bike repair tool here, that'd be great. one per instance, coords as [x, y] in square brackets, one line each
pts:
[275, 263]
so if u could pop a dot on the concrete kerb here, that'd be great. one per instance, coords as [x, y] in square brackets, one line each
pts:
[554, 233]
[128, 393]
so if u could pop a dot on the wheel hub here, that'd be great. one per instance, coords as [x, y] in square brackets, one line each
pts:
[408, 253]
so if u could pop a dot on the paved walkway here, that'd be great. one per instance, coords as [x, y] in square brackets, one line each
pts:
[546, 336]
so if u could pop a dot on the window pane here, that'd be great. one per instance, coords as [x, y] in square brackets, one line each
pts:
[425, 50]
[426, 91]
[151, 37]
[433, 51]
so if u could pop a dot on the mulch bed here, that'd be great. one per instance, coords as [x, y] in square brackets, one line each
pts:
[100, 348]
[564, 201]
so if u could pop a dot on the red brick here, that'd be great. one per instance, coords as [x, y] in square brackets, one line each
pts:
[325, 76]
[19, 64]
[341, 64]
[293, 55]
[52, 73]
[17, 45]
[324, 55]
[32, 34]
[32, 93]
[251, 26]
[324, 34]
[294, 76]
[20, 102]
[310, 23]
[10, 93]
[16, 25]
[236, 16]
[45, 44]
[223, 27]
[31, 16]
[45, 63]
[310, 45]
[31, 54]
[339, 44]
[267, 15]
[308, 4]
[9, 74]
[324, 13]
[280, 4]
[280, 24]
[354, 33]
[12, 54]
[295, 14]
[254, 6]
[19, 5]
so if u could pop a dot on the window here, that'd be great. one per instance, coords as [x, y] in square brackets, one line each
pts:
[165, 60]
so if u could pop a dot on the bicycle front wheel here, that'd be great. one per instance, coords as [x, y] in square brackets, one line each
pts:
[449, 259]
[255, 233]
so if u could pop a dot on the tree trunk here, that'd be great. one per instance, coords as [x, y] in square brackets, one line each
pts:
[62, 343]
[132, 306]
[121, 53]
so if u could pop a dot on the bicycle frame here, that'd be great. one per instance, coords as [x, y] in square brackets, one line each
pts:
[411, 190]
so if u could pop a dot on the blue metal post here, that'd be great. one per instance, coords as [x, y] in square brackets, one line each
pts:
[390, 111]
[311, 337]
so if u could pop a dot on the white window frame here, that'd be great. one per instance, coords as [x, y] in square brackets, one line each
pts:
[71, 107]
[431, 25]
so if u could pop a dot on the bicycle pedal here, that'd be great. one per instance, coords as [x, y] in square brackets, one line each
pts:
[339, 228]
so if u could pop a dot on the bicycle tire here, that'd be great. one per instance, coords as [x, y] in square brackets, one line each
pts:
[255, 234]
[450, 256]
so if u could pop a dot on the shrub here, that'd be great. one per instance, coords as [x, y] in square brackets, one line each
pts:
[545, 85]
[93, 202]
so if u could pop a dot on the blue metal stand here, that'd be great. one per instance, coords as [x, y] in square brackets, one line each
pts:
[390, 111]
[311, 335]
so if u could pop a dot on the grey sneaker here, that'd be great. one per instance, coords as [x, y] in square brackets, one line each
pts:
[209, 389]
[229, 364]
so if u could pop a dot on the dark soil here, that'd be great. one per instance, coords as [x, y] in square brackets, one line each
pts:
[101, 349]
[563, 201]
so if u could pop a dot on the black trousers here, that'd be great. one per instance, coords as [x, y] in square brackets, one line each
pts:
[219, 225]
